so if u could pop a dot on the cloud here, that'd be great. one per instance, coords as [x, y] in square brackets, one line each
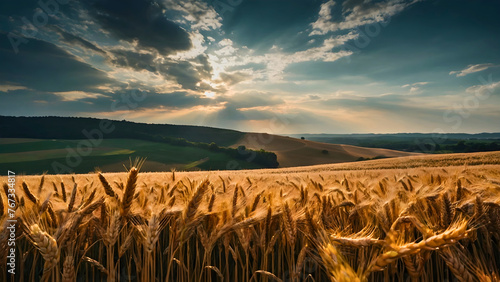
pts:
[322, 25]
[248, 66]
[74, 40]
[324, 52]
[356, 13]
[9, 87]
[198, 48]
[472, 69]
[189, 74]
[199, 14]
[140, 21]
[132, 59]
[485, 90]
[79, 103]
[415, 84]
[43, 66]
[415, 87]
[252, 99]
[234, 78]
[77, 95]
[277, 60]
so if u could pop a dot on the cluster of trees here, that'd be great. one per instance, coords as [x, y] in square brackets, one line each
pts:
[198, 136]
[260, 157]
[461, 146]
[71, 128]
[418, 142]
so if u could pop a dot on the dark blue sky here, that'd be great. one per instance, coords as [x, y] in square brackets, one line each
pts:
[277, 66]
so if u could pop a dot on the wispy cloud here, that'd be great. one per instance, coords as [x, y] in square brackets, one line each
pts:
[7, 87]
[485, 90]
[415, 87]
[356, 13]
[472, 69]
[78, 95]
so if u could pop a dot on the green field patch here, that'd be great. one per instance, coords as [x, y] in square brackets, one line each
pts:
[32, 156]
[111, 154]
[36, 145]
[17, 140]
[119, 152]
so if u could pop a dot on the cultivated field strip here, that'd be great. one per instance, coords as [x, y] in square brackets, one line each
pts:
[419, 224]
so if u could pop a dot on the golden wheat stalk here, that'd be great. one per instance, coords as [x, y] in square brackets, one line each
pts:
[63, 191]
[40, 186]
[28, 193]
[196, 199]
[107, 188]
[450, 236]
[47, 246]
[73, 198]
[2, 208]
[69, 274]
[128, 195]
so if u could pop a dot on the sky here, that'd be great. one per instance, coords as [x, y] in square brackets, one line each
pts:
[275, 66]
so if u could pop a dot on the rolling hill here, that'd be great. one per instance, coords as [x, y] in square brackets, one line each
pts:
[293, 152]
[34, 144]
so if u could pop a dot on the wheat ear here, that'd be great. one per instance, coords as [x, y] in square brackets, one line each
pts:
[107, 188]
[68, 274]
[47, 246]
[28, 193]
[195, 201]
[128, 195]
[73, 198]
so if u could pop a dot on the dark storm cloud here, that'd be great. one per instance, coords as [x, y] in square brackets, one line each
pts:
[185, 74]
[140, 20]
[188, 73]
[45, 103]
[133, 60]
[17, 8]
[77, 41]
[30, 102]
[43, 66]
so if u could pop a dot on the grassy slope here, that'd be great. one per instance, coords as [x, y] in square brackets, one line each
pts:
[293, 152]
[37, 156]
[290, 151]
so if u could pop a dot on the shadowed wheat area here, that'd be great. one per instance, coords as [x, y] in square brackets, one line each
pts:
[413, 224]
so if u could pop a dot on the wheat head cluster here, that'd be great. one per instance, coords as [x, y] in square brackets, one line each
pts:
[419, 224]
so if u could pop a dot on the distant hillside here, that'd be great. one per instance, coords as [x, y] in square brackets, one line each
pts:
[78, 145]
[415, 142]
[71, 128]
[58, 156]
[169, 146]
[293, 152]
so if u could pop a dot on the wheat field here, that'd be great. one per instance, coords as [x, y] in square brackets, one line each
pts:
[401, 224]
